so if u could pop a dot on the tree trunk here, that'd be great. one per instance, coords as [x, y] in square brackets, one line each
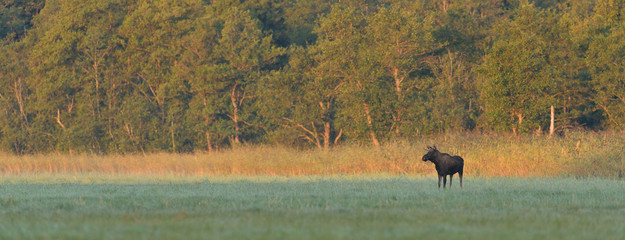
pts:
[58, 119]
[338, 137]
[315, 135]
[520, 121]
[208, 142]
[97, 90]
[552, 125]
[237, 128]
[327, 128]
[173, 139]
[374, 139]
[398, 91]
[207, 121]
[235, 114]
[326, 135]
[20, 99]
[109, 116]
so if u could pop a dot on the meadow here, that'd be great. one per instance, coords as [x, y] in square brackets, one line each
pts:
[349, 207]
[577, 154]
[531, 187]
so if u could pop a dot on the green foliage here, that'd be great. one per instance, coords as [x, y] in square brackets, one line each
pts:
[16, 17]
[14, 117]
[525, 70]
[400, 42]
[605, 59]
[140, 76]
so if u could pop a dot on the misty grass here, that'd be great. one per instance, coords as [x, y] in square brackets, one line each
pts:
[352, 207]
[577, 154]
[531, 187]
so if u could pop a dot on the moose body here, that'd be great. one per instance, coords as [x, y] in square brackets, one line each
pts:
[445, 165]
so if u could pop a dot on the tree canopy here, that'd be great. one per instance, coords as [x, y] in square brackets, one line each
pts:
[116, 76]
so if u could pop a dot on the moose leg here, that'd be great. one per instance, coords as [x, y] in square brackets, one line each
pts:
[439, 181]
[460, 174]
[444, 181]
[450, 179]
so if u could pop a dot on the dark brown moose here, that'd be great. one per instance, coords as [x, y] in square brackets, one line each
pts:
[445, 165]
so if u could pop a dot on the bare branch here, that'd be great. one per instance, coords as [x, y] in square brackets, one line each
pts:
[336, 140]
[300, 126]
[58, 118]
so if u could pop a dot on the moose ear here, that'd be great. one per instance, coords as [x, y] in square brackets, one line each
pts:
[434, 148]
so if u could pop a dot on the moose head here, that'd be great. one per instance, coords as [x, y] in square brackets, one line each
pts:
[432, 151]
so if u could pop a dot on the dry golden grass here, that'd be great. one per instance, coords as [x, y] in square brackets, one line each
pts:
[583, 154]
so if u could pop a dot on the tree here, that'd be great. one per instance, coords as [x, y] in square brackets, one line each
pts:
[605, 58]
[71, 56]
[151, 33]
[453, 103]
[524, 71]
[200, 67]
[16, 17]
[301, 100]
[127, 76]
[14, 94]
[247, 53]
[400, 42]
[299, 19]
[339, 45]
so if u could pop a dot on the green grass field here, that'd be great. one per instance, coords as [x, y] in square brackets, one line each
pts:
[350, 207]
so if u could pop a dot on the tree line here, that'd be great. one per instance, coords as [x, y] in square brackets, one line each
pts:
[116, 76]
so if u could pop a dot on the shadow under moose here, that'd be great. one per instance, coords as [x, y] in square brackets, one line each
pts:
[445, 165]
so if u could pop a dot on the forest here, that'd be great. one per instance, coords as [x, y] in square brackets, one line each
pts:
[121, 76]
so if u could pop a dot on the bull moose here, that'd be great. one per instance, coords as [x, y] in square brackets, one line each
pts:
[445, 165]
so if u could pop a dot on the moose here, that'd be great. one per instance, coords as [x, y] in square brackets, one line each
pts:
[445, 165]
